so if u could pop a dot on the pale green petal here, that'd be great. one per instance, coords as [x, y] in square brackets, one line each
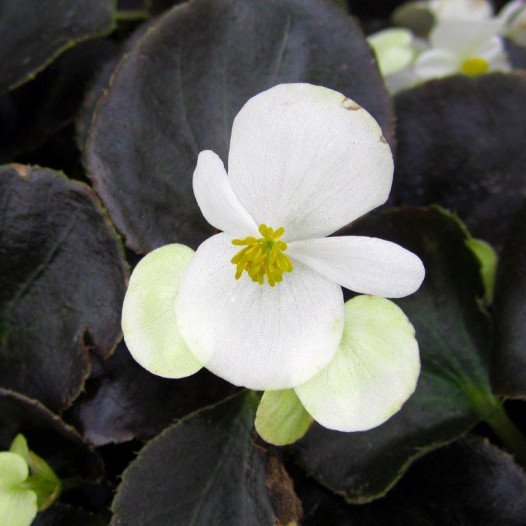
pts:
[148, 315]
[280, 418]
[19, 446]
[374, 372]
[13, 469]
[488, 259]
[18, 507]
[393, 49]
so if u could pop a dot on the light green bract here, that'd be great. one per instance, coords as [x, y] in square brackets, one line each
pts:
[393, 49]
[148, 313]
[27, 484]
[374, 372]
[280, 418]
[488, 260]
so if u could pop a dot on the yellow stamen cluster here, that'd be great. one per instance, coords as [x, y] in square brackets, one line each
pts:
[475, 66]
[263, 256]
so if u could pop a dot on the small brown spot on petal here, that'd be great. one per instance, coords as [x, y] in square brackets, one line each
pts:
[349, 104]
[383, 139]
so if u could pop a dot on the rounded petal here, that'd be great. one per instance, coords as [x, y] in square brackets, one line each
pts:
[148, 314]
[494, 52]
[308, 159]
[363, 264]
[463, 37]
[13, 469]
[280, 418]
[462, 9]
[401, 80]
[373, 373]
[219, 205]
[436, 63]
[253, 335]
[18, 507]
[393, 49]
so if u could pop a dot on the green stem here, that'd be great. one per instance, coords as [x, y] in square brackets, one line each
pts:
[493, 413]
[131, 15]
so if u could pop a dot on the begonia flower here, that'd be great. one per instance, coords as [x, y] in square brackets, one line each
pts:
[471, 47]
[260, 304]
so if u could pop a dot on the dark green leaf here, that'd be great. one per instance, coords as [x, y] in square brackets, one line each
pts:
[62, 281]
[508, 367]
[453, 387]
[30, 114]
[123, 401]
[177, 92]
[32, 35]
[47, 435]
[461, 145]
[65, 515]
[158, 6]
[203, 470]
[469, 482]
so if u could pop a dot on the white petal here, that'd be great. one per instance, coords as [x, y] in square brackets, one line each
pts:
[255, 335]
[308, 159]
[363, 264]
[436, 63]
[401, 80]
[463, 37]
[373, 373]
[148, 313]
[494, 52]
[219, 205]
[462, 9]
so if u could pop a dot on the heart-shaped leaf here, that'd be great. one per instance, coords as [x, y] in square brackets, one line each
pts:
[123, 401]
[460, 145]
[205, 469]
[508, 371]
[469, 482]
[178, 90]
[31, 37]
[62, 281]
[453, 389]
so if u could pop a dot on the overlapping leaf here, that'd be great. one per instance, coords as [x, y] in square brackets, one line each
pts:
[178, 90]
[32, 36]
[453, 389]
[62, 280]
[509, 341]
[205, 469]
[460, 145]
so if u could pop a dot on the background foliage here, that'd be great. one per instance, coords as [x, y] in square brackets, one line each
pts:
[103, 109]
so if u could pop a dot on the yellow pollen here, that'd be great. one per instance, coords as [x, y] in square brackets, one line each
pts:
[475, 66]
[263, 257]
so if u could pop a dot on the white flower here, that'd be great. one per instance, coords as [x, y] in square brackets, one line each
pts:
[472, 47]
[261, 304]
[461, 9]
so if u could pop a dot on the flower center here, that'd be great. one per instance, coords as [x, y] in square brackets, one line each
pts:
[475, 66]
[263, 256]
